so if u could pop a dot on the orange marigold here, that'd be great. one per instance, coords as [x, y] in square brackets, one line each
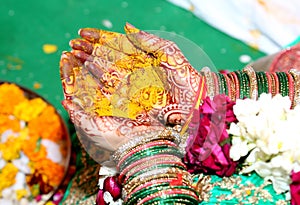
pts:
[47, 125]
[34, 150]
[10, 96]
[51, 171]
[9, 123]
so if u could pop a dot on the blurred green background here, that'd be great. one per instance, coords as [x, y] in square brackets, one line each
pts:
[28, 25]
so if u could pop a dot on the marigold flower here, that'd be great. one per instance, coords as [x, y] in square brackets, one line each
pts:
[29, 109]
[24, 123]
[10, 96]
[21, 193]
[33, 150]
[47, 125]
[8, 122]
[7, 176]
[51, 171]
[11, 148]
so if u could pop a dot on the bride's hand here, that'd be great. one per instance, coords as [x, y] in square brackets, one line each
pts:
[119, 86]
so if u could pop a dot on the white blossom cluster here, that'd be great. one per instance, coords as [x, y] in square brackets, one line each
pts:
[268, 135]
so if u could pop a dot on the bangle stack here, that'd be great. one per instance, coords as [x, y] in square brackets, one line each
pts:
[251, 84]
[152, 172]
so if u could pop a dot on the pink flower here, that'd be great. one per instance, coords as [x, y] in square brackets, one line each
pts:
[208, 149]
[295, 188]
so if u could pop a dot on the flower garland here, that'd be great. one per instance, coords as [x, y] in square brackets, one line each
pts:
[31, 149]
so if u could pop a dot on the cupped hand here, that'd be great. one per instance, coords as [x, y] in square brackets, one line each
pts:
[118, 86]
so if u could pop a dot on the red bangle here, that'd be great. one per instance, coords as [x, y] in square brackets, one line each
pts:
[291, 87]
[269, 82]
[216, 82]
[276, 83]
[237, 85]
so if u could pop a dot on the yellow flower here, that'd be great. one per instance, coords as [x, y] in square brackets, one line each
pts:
[21, 193]
[8, 176]
[11, 148]
[29, 109]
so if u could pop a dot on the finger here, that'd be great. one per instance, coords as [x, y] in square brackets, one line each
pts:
[82, 44]
[82, 56]
[115, 41]
[148, 42]
[97, 36]
[67, 64]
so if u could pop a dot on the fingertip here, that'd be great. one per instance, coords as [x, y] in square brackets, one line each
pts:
[79, 31]
[129, 28]
[66, 104]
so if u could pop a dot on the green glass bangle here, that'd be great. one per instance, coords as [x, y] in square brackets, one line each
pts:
[151, 152]
[280, 81]
[262, 82]
[155, 167]
[287, 88]
[283, 83]
[259, 83]
[265, 82]
[145, 192]
[246, 85]
[224, 84]
[154, 189]
[179, 198]
[220, 83]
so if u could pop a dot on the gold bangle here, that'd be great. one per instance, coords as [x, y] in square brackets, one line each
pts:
[296, 76]
[253, 82]
[209, 81]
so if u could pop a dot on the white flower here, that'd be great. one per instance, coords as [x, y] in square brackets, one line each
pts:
[269, 132]
[238, 149]
[277, 175]
[109, 199]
